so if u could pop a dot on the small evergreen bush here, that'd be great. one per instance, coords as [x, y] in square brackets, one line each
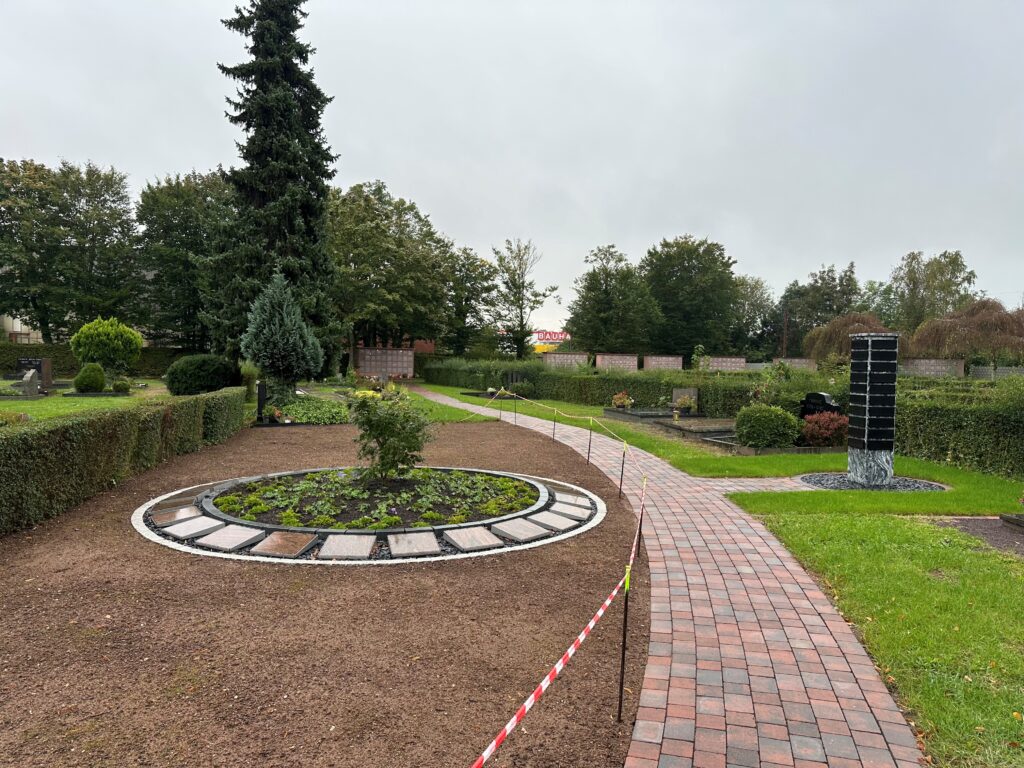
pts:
[392, 433]
[121, 386]
[250, 374]
[280, 342]
[90, 378]
[825, 430]
[108, 342]
[195, 374]
[766, 426]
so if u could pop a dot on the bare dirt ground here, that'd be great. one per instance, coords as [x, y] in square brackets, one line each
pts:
[992, 530]
[116, 651]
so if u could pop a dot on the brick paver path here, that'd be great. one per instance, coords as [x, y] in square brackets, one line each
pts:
[749, 662]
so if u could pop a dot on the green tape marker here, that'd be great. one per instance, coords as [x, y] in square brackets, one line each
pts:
[627, 577]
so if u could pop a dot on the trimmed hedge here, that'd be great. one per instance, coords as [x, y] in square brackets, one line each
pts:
[152, 364]
[194, 374]
[766, 426]
[721, 395]
[985, 436]
[47, 467]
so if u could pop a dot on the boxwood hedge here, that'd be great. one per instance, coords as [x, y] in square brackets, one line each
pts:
[50, 466]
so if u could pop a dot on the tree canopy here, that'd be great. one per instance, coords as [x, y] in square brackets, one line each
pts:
[828, 293]
[517, 296]
[693, 284]
[613, 310]
[281, 188]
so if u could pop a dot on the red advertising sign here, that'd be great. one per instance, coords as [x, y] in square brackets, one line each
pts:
[550, 337]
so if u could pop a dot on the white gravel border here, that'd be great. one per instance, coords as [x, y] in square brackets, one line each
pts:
[139, 523]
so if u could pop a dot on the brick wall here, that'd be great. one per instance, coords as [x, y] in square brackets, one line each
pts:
[931, 367]
[385, 363]
[727, 364]
[663, 362]
[565, 359]
[1003, 371]
[617, 362]
[800, 363]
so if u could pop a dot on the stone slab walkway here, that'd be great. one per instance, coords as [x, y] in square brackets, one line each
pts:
[749, 662]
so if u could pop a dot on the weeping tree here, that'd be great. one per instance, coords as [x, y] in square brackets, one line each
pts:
[983, 332]
[833, 338]
[280, 342]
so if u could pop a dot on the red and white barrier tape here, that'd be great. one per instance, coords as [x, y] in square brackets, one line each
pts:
[548, 679]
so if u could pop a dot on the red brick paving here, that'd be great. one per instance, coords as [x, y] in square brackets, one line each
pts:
[749, 662]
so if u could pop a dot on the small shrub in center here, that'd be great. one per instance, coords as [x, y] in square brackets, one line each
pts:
[392, 433]
[766, 426]
[825, 430]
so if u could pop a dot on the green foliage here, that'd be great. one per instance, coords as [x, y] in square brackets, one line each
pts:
[833, 339]
[351, 500]
[108, 342]
[281, 189]
[250, 375]
[121, 386]
[182, 221]
[921, 288]
[224, 413]
[66, 245]
[6, 391]
[194, 374]
[91, 378]
[827, 294]
[278, 339]
[316, 410]
[517, 297]
[392, 433]
[469, 294]
[750, 332]
[693, 284]
[766, 426]
[982, 434]
[93, 451]
[613, 310]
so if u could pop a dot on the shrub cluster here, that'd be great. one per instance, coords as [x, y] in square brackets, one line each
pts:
[194, 374]
[766, 426]
[109, 342]
[47, 467]
[392, 432]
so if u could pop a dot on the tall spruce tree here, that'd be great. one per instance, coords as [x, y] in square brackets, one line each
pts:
[282, 186]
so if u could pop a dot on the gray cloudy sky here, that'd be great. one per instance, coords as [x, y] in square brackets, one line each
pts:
[794, 132]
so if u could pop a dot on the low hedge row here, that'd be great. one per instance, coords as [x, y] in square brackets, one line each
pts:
[984, 436]
[721, 395]
[152, 363]
[50, 466]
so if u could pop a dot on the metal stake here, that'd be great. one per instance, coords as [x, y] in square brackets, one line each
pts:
[515, 408]
[554, 423]
[622, 658]
[622, 470]
[590, 438]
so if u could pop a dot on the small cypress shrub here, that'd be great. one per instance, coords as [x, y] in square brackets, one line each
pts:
[280, 342]
[91, 378]
[766, 426]
[121, 386]
[195, 374]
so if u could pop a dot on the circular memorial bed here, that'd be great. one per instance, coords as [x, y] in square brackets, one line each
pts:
[340, 515]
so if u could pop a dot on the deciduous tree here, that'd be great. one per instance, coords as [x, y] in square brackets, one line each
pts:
[517, 297]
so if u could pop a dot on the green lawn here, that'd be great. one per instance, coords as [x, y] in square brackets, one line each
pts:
[443, 414]
[56, 405]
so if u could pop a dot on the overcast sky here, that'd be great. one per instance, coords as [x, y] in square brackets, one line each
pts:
[793, 132]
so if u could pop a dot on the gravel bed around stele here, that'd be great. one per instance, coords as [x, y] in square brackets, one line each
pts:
[840, 481]
[116, 651]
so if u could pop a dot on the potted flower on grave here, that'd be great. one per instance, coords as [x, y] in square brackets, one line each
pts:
[683, 406]
[622, 400]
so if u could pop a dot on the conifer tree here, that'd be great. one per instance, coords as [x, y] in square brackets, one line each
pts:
[279, 341]
[282, 186]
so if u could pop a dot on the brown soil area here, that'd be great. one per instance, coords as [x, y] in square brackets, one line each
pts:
[116, 651]
[991, 530]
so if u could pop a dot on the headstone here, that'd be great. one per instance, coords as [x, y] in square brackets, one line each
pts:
[818, 402]
[284, 544]
[347, 547]
[41, 365]
[872, 436]
[29, 384]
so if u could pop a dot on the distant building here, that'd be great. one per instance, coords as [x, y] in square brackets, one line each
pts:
[16, 331]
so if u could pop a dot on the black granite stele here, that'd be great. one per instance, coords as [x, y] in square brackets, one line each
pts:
[872, 436]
